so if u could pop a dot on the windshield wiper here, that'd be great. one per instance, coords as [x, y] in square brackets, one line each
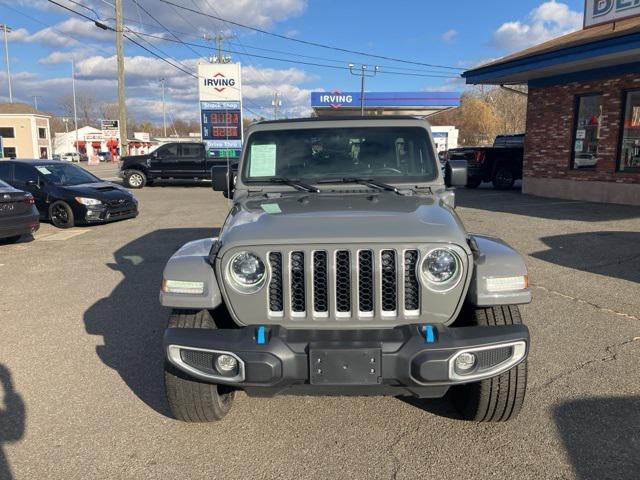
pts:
[297, 184]
[364, 181]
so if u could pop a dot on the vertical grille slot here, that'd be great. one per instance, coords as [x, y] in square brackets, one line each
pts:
[297, 282]
[275, 285]
[365, 282]
[320, 282]
[343, 281]
[389, 281]
[411, 284]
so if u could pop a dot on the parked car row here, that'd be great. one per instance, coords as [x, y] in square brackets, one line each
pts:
[61, 193]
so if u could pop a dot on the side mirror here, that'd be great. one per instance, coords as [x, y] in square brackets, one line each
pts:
[223, 179]
[455, 173]
[32, 183]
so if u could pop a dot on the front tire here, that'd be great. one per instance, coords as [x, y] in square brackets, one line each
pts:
[500, 398]
[61, 215]
[191, 400]
[135, 179]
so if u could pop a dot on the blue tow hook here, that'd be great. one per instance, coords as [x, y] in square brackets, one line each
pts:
[261, 335]
[429, 334]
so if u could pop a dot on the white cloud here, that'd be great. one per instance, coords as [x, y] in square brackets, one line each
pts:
[449, 35]
[549, 20]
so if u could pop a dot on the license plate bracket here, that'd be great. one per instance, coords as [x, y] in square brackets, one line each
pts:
[345, 366]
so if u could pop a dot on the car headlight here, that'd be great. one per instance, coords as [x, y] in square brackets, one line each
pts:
[88, 201]
[247, 272]
[440, 266]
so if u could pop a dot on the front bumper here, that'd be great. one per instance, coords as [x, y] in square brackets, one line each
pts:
[406, 360]
[106, 213]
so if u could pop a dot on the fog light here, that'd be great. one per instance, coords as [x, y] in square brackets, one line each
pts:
[464, 363]
[226, 364]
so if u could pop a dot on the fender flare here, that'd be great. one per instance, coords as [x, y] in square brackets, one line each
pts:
[191, 264]
[493, 258]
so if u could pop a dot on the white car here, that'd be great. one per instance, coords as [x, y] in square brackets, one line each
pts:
[70, 157]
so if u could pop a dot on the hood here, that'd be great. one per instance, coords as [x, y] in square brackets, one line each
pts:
[104, 191]
[341, 218]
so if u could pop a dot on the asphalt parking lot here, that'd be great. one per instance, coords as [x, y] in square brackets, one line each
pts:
[81, 361]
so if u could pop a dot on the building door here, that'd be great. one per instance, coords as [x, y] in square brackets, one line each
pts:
[44, 152]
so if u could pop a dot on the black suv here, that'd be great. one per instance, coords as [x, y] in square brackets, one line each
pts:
[179, 161]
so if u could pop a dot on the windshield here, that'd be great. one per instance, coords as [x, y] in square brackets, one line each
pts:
[66, 175]
[391, 154]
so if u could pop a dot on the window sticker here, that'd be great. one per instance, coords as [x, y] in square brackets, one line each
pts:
[44, 170]
[263, 161]
[271, 208]
[581, 134]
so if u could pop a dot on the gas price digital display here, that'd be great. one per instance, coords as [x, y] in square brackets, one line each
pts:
[221, 125]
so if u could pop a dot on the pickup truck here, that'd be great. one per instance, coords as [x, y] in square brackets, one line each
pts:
[500, 164]
[177, 161]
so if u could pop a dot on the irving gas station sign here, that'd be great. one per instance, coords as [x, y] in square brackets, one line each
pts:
[220, 89]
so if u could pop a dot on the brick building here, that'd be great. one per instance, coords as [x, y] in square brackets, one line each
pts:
[583, 118]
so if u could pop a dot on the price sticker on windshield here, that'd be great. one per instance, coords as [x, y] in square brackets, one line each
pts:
[263, 161]
[44, 170]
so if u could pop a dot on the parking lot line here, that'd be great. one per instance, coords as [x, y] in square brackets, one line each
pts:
[64, 235]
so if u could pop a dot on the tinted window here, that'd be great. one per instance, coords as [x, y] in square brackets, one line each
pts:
[630, 148]
[400, 154]
[5, 171]
[7, 132]
[587, 132]
[191, 150]
[24, 173]
[168, 151]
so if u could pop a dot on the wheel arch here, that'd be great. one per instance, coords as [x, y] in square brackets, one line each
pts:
[191, 264]
[493, 258]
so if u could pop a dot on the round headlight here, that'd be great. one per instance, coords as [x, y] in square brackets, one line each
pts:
[247, 272]
[440, 265]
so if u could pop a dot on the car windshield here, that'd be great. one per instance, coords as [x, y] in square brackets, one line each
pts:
[389, 154]
[66, 175]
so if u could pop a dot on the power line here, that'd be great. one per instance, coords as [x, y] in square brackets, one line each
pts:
[307, 42]
[336, 67]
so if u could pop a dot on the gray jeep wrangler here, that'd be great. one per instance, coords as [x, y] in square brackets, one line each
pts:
[343, 269]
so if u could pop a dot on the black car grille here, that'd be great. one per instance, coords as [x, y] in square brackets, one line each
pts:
[344, 283]
[411, 284]
[275, 285]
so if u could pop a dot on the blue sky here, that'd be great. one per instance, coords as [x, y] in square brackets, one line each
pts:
[456, 34]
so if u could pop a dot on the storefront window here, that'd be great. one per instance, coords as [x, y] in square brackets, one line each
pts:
[630, 147]
[587, 132]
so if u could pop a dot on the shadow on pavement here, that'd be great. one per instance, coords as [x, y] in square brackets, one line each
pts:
[12, 419]
[514, 202]
[601, 436]
[131, 320]
[614, 254]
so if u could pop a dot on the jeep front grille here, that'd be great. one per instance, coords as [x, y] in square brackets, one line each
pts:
[341, 283]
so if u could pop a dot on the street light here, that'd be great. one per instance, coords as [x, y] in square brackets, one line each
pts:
[363, 73]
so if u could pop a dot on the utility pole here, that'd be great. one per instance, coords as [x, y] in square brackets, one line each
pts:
[6, 30]
[35, 100]
[363, 73]
[164, 111]
[219, 39]
[122, 123]
[75, 109]
[277, 103]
